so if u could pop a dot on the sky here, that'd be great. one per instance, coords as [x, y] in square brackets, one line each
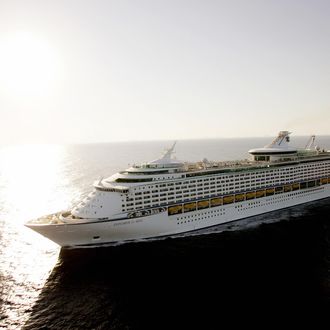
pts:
[77, 71]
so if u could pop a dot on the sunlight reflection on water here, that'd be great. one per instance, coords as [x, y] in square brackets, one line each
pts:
[34, 181]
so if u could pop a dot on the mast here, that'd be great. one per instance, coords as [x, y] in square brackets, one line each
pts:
[311, 143]
[168, 152]
[282, 138]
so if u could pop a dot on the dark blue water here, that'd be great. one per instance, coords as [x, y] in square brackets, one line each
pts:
[264, 270]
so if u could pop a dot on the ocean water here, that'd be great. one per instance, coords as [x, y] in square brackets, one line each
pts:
[272, 266]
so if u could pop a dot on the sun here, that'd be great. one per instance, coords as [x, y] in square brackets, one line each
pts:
[29, 65]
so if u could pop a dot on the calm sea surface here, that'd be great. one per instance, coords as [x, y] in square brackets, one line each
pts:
[273, 266]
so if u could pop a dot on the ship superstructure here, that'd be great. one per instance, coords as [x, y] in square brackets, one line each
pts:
[167, 196]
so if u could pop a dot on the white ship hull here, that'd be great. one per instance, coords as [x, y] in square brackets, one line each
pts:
[101, 232]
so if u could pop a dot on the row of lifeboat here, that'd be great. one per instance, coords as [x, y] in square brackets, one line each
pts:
[240, 197]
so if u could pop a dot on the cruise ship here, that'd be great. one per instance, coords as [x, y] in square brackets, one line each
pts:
[168, 197]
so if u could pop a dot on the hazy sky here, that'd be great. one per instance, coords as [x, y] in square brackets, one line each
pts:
[107, 70]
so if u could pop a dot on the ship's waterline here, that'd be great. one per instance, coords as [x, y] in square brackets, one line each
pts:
[167, 196]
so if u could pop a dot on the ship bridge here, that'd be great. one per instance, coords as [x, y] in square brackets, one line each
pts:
[165, 164]
[166, 161]
[277, 150]
[165, 167]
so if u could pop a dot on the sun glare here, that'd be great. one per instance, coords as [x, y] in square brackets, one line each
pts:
[33, 180]
[28, 65]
